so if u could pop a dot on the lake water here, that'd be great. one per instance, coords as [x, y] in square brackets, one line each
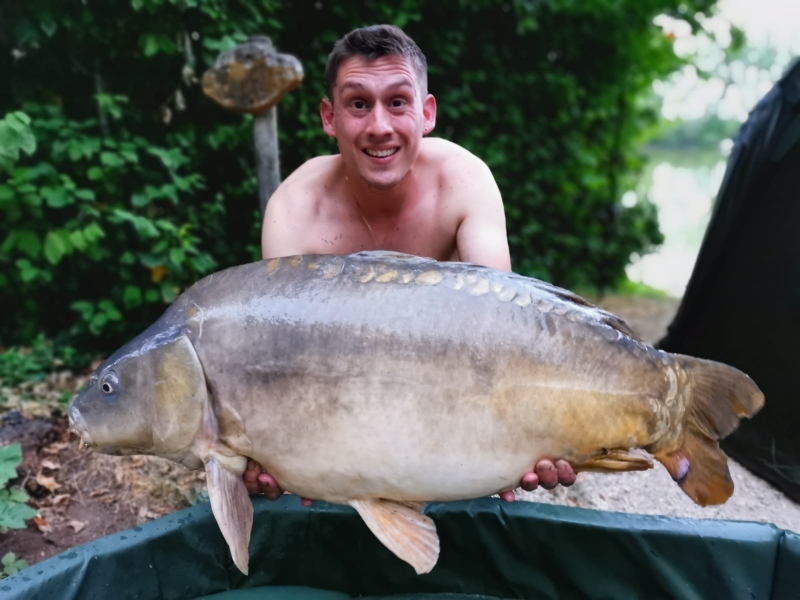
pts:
[683, 186]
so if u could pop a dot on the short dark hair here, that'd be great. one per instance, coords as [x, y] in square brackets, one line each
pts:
[371, 43]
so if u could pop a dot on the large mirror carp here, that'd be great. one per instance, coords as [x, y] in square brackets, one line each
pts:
[385, 381]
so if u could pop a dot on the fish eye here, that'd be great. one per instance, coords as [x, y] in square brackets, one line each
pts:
[109, 383]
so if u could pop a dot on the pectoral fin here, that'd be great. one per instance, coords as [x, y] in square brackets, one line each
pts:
[614, 460]
[403, 530]
[232, 509]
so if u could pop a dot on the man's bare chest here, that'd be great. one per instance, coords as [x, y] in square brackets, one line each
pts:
[422, 234]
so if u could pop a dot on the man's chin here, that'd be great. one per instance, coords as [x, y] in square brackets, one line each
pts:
[381, 185]
[382, 181]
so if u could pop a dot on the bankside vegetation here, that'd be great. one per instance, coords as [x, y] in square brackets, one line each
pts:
[121, 183]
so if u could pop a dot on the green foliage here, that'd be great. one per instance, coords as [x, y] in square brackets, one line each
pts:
[138, 184]
[10, 458]
[627, 287]
[13, 508]
[34, 362]
[134, 190]
[15, 135]
[107, 222]
[11, 565]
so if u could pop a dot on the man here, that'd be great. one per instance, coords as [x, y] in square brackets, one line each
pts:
[389, 188]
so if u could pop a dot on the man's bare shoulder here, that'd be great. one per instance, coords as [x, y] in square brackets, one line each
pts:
[459, 172]
[454, 165]
[294, 211]
[440, 150]
[302, 187]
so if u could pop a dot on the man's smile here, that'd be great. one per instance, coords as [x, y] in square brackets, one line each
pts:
[381, 153]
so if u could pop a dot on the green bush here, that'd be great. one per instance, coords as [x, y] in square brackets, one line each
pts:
[11, 565]
[33, 362]
[139, 184]
[121, 206]
[13, 508]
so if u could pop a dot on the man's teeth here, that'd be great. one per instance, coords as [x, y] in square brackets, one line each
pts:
[380, 153]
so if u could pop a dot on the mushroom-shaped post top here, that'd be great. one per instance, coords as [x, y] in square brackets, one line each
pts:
[253, 77]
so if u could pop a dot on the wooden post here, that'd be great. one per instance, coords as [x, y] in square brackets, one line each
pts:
[251, 79]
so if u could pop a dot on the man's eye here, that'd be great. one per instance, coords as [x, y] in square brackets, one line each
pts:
[358, 104]
[398, 103]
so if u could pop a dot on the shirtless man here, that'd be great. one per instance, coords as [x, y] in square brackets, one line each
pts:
[389, 188]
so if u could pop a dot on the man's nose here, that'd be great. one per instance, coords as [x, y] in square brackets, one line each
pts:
[379, 122]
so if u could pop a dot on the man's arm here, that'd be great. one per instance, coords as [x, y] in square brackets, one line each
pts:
[481, 238]
[280, 230]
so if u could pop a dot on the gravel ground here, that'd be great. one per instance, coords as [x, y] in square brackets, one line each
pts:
[653, 492]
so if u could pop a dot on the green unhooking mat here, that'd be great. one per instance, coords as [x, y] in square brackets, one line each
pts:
[489, 549]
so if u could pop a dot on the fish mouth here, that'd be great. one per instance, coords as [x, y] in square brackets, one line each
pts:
[78, 426]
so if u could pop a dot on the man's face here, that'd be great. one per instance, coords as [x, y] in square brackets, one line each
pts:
[378, 117]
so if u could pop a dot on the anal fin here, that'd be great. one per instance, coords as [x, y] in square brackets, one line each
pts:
[613, 461]
[410, 535]
[415, 506]
[232, 508]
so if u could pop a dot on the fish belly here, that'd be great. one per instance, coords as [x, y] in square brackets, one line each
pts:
[427, 432]
[395, 445]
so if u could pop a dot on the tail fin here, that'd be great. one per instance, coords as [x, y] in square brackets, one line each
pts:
[722, 395]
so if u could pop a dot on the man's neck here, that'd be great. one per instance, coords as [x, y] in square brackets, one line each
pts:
[378, 203]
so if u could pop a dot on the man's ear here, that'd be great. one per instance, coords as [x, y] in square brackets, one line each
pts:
[326, 114]
[429, 114]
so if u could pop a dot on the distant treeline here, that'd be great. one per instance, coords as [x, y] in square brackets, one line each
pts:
[706, 132]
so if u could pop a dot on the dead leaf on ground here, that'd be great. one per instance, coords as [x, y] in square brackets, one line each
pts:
[97, 493]
[42, 524]
[55, 448]
[77, 525]
[61, 500]
[146, 514]
[53, 465]
[48, 482]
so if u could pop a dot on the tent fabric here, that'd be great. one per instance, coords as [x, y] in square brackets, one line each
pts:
[489, 549]
[742, 302]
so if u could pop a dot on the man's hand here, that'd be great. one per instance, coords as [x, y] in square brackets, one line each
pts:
[545, 473]
[258, 482]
